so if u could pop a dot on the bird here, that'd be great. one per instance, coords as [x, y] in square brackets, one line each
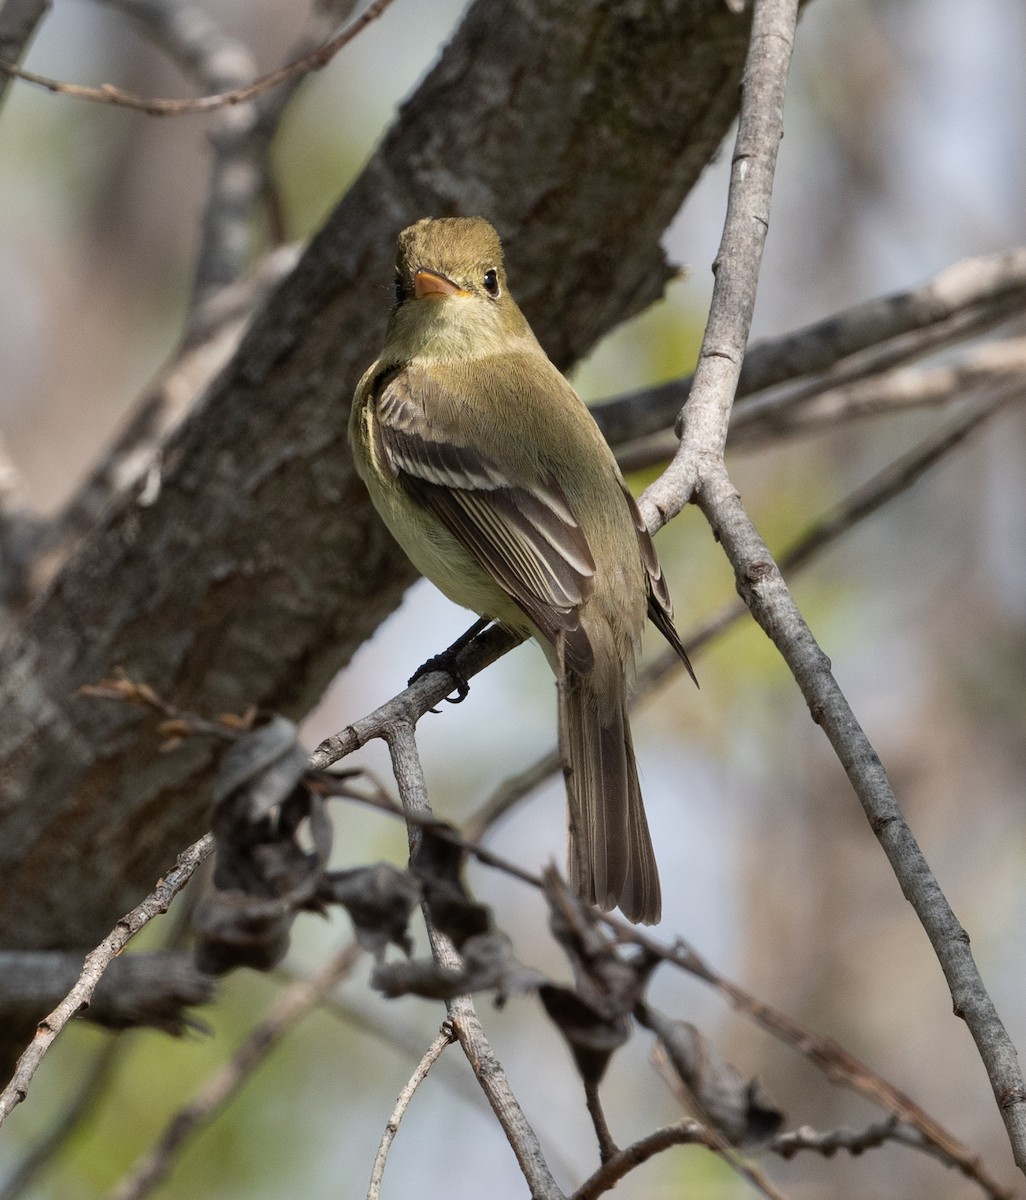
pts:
[494, 478]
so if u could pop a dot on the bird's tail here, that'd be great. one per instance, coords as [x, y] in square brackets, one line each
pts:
[611, 859]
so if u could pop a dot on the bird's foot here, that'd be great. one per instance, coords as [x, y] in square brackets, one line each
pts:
[448, 662]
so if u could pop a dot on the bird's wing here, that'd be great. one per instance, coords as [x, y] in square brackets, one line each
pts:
[522, 532]
[660, 607]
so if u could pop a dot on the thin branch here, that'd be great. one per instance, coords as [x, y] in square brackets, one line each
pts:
[841, 1067]
[858, 1141]
[593, 1100]
[763, 589]
[684, 1133]
[704, 419]
[291, 1006]
[980, 369]
[109, 94]
[96, 962]
[411, 704]
[463, 1016]
[445, 1037]
[964, 299]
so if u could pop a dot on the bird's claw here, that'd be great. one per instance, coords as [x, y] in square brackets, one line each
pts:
[446, 661]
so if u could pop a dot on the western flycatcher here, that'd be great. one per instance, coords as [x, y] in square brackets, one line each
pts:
[494, 478]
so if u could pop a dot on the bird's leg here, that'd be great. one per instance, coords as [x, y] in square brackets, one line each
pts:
[446, 661]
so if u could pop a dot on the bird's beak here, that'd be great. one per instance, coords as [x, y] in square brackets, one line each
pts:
[428, 283]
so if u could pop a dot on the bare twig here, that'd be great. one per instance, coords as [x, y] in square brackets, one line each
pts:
[683, 1133]
[463, 1016]
[96, 963]
[857, 1141]
[763, 589]
[979, 370]
[704, 419]
[412, 703]
[964, 299]
[19, 20]
[108, 94]
[607, 1147]
[445, 1037]
[291, 1006]
[838, 1064]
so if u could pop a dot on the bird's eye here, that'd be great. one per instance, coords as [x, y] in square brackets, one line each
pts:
[491, 282]
[400, 289]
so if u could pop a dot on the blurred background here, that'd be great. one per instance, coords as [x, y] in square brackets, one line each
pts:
[903, 153]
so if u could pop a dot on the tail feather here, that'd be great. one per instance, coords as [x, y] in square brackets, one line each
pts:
[612, 862]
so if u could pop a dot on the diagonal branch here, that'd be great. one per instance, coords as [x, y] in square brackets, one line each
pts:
[445, 1037]
[108, 94]
[763, 589]
[966, 298]
[684, 1133]
[95, 964]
